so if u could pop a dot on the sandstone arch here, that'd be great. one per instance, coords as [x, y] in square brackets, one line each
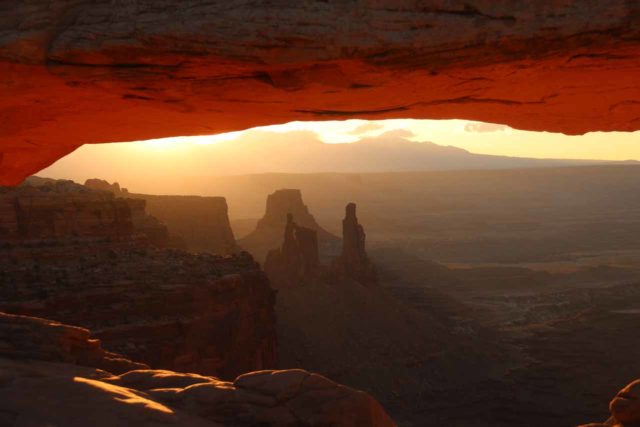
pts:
[77, 71]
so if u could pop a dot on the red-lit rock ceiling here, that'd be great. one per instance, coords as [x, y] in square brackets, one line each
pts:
[76, 72]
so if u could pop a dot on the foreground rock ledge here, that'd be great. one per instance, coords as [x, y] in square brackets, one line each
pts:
[45, 393]
[74, 72]
[625, 408]
[42, 382]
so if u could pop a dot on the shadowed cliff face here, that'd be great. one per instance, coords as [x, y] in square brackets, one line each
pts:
[199, 224]
[76, 255]
[75, 72]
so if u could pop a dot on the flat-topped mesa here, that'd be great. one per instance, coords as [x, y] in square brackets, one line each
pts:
[296, 260]
[195, 223]
[268, 232]
[353, 261]
[289, 201]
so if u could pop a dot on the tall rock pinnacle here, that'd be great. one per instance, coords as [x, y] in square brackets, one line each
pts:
[354, 262]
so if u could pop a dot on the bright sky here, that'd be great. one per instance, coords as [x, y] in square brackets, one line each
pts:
[177, 165]
[477, 137]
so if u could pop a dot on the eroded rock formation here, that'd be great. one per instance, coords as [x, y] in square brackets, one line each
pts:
[296, 260]
[353, 261]
[196, 223]
[202, 222]
[268, 232]
[48, 377]
[45, 209]
[76, 73]
[101, 184]
[63, 210]
[72, 254]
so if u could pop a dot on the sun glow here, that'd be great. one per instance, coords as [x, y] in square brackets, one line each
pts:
[477, 137]
[157, 164]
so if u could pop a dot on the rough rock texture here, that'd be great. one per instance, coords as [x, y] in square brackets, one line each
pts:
[45, 379]
[625, 408]
[63, 210]
[24, 337]
[296, 260]
[76, 72]
[169, 309]
[43, 393]
[268, 232]
[353, 261]
[198, 224]
[74, 255]
[43, 210]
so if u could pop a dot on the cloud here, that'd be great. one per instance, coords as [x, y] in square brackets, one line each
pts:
[397, 133]
[366, 128]
[484, 127]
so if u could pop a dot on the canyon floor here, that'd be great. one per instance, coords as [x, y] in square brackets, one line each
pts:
[567, 340]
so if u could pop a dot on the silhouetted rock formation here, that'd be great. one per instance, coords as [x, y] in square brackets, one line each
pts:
[101, 184]
[49, 377]
[72, 254]
[203, 222]
[197, 224]
[296, 260]
[268, 232]
[354, 262]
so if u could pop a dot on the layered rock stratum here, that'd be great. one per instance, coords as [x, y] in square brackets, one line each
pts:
[200, 223]
[74, 255]
[74, 72]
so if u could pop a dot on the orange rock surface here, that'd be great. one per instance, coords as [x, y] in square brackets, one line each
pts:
[74, 73]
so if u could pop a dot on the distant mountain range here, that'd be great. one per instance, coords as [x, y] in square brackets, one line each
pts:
[193, 169]
[302, 152]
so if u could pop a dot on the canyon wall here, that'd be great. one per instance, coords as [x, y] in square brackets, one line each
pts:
[64, 210]
[202, 222]
[196, 223]
[75, 72]
[72, 254]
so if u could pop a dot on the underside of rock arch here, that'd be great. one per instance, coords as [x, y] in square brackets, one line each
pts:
[75, 72]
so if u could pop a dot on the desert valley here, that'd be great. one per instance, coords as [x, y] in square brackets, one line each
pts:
[477, 297]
